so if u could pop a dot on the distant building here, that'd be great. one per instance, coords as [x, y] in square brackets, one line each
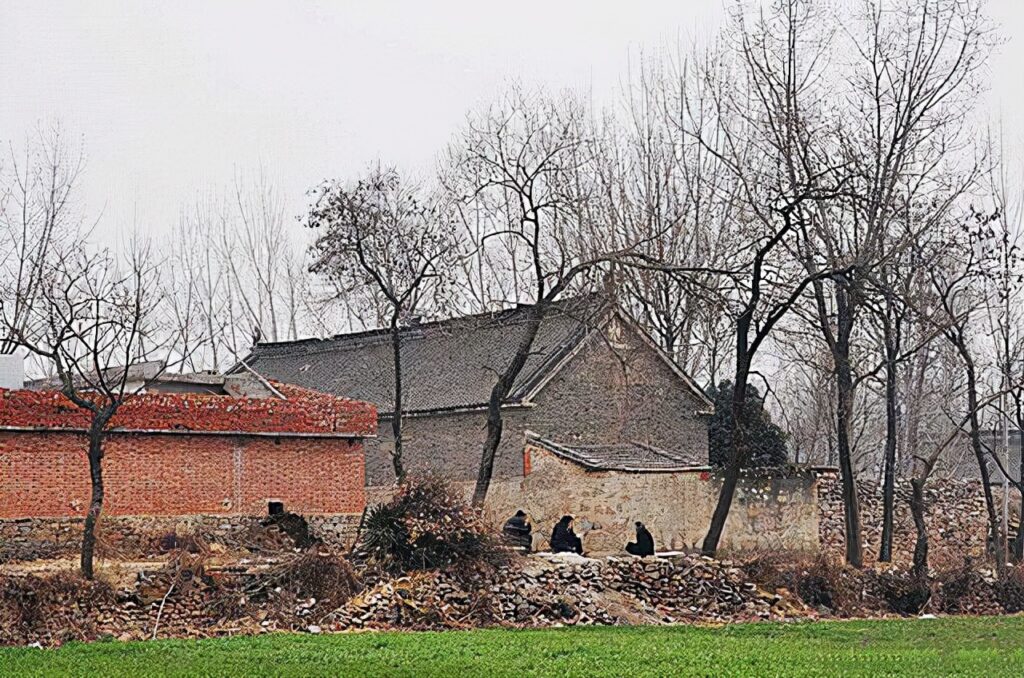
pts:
[593, 378]
[213, 457]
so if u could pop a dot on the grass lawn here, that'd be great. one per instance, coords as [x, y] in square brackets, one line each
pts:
[992, 646]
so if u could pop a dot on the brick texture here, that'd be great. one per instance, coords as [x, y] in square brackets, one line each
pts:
[304, 411]
[47, 474]
[178, 454]
[614, 390]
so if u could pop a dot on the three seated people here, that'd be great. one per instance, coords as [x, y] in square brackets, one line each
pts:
[518, 532]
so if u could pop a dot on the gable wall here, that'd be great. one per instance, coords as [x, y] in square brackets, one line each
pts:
[605, 394]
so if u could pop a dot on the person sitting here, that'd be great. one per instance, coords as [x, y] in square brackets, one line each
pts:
[518, 531]
[563, 539]
[644, 544]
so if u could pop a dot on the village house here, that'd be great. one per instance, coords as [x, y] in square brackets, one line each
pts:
[593, 377]
[601, 423]
[219, 451]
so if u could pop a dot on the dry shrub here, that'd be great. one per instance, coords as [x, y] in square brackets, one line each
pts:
[52, 609]
[298, 591]
[766, 568]
[191, 542]
[961, 588]
[327, 577]
[1010, 589]
[427, 525]
[903, 592]
[820, 582]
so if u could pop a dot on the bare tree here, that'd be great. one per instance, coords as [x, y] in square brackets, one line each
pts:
[379, 241]
[37, 216]
[525, 168]
[758, 128]
[93, 319]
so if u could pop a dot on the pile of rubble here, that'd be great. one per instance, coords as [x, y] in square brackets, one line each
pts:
[566, 589]
[317, 591]
[956, 518]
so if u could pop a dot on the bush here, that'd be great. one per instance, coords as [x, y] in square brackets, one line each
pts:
[819, 582]
[962, 589]
[425, 526]
[1010, 590]
[905, 593]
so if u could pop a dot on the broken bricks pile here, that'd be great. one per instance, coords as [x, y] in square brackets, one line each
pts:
[545, 590]
[190, 599]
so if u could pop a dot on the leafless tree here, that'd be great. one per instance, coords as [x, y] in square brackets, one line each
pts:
[382, 243]
[92, 319]
[525, 169]
[37, 215]
[758, 90]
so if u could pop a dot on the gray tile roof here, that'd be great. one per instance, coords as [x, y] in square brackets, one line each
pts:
[447, 364]
[632, 456]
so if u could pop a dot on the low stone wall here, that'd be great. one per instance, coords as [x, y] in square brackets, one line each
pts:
[140, 536]
[771, 510]
[955, 515]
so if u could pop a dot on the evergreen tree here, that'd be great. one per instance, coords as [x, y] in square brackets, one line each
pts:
[767, 440]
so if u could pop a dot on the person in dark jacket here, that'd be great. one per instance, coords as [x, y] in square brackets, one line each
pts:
[518, 531]
[563, 538]
[644, 544]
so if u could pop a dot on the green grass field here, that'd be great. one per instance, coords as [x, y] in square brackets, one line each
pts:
[992, 646]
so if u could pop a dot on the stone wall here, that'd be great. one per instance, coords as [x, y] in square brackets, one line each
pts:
[615, 389]
[144, 536]
[955, 515]
[769, 512]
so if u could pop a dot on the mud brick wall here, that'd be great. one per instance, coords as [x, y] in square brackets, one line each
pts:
[772, 510]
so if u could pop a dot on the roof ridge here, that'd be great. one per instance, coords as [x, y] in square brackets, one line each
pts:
[659, 451]
[510, 311]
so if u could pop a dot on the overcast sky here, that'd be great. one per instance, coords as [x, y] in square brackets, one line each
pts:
[172, 98]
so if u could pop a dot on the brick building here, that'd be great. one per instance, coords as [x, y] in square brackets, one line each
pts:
[185, 454]
[593, 377]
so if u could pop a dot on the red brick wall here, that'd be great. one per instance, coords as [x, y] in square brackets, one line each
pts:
[45, 474]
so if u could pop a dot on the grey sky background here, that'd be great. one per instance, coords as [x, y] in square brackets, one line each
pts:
[173, 98]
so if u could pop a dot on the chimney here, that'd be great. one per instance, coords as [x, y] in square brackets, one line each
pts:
[12, 371]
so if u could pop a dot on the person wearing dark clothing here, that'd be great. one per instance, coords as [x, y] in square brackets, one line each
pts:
[563, 538]
[518, 532]
[644, 544]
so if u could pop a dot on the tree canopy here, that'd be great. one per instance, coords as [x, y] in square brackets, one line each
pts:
[766, 440]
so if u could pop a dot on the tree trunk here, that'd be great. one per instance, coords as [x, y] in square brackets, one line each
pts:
[844, 417]
[737, 456]
[979, 454]
[917, 511]
[96, 502]
[500, 391]
[889, 470]
[737, 459]
[396, 417]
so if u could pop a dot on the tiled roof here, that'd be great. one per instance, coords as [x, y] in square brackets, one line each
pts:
[447, 364]
[632, 456]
